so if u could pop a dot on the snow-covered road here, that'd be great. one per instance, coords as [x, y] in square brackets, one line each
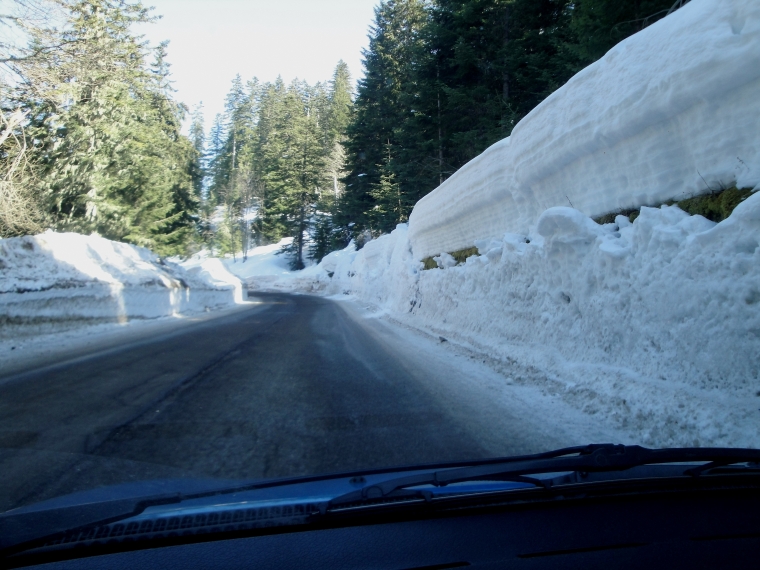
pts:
[293, 385]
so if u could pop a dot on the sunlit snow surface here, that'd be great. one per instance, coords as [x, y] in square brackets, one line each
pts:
[663, 115]
[652, 327]
[54, 280]
[265, 267]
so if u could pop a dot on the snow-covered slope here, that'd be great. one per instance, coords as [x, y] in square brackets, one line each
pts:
[59, 279]
[661, 115]
[652, 327]
[264, 268]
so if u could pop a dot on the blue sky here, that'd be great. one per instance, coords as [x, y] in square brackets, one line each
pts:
[212, 40]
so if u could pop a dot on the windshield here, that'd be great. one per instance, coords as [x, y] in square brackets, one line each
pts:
[249, 241]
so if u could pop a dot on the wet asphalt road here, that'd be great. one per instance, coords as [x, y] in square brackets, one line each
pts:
[292, 386]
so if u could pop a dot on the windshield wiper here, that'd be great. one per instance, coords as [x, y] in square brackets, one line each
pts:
[590, 459]
[22, 530]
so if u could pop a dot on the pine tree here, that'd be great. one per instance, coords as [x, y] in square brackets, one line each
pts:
[379, 110]
[198, 140]
[106, 129]
[334, 120]
[392, 206]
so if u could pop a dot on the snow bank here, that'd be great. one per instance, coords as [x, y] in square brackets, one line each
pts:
[653, 327]
[266, 269]
[54, 280]
[662, 110]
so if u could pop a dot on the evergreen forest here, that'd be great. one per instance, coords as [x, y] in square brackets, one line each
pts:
[91, 138]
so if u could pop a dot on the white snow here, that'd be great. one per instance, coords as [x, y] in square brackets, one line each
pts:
[264, 268]
[651, 327]
[55, 280]
[661, 116]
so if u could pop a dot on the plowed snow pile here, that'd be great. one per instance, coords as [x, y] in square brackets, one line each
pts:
[56, 280]
[653, 326]
[263, 268]
[666, 114]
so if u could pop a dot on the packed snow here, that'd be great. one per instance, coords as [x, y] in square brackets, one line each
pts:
[264, 267]
[56, 280]
[650, 327]
[669, 113]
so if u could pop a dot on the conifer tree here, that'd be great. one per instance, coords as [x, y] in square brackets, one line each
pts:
[198, 140]
[106, 129]
[379, 111]
[326, 235]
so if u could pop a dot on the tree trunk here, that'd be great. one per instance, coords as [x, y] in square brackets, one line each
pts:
[440, 138]
[505, 77]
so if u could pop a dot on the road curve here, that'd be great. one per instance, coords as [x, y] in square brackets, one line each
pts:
[293, 386]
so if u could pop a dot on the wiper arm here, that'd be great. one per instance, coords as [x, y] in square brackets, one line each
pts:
[591, 458]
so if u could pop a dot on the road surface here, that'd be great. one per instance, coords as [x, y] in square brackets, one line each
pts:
[293, 385]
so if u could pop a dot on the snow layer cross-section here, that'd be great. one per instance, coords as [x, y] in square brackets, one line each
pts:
[663, 115]
[54, 280]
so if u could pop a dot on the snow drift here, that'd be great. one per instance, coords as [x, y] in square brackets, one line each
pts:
[651, 326]
[264, 268]
[666, 114]
[54, 280]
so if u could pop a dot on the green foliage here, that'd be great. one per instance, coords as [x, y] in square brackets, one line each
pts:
[598, 25]
[716, 206]
[198, 140]
[276, 153]
[610, 218]
[461, 255]
[380, 114]
[106, 130]
[429, 263]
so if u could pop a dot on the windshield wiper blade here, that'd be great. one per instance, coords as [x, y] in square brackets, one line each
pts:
[591, 458]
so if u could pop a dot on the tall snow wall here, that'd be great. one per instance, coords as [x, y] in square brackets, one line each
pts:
[667, 114]
[55, 281]
[652, 326]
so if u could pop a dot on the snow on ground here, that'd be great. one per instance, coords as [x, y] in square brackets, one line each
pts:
[264, 268]
[54, 281]
[662, 115]
[651, 327]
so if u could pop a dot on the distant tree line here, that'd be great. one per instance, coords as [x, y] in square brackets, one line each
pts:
[274, 164]
[90, 136]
